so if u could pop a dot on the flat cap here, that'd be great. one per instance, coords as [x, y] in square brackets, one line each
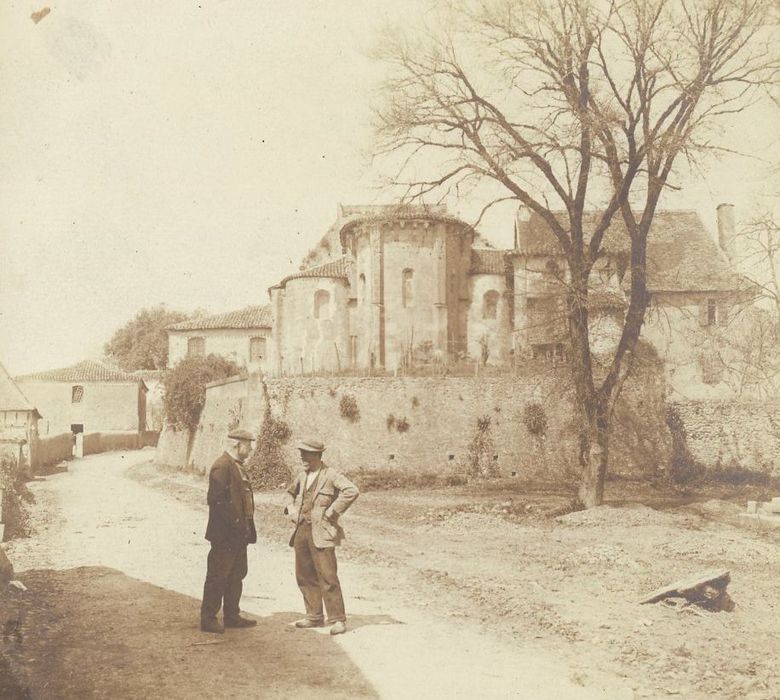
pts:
[241, 435]
[310, 445]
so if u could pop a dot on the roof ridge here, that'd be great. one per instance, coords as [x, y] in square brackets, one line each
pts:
[252, 316]
[7, 380]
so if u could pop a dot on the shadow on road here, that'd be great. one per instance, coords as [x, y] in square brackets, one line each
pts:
[95, 632]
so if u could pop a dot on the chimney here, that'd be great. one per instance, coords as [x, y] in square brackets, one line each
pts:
[522, 217]
[726, 229]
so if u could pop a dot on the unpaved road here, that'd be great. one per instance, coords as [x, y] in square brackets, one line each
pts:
[115, 572]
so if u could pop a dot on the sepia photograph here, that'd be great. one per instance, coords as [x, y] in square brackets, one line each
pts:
[402, 349]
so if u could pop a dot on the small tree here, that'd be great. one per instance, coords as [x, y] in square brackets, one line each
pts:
[185, 388]
[268, 465]
[142, 343]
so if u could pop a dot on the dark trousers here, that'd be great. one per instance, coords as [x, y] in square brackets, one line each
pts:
[317, 577]
[226, 568]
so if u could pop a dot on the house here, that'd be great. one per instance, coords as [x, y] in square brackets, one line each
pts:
[694, 289]
[242, 336]
[89, 397]
[18, 416]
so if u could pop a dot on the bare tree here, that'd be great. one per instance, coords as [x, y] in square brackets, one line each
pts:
[563, 105]
[761, 255]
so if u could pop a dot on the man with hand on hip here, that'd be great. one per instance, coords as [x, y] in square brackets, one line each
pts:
[230, 529]
[322, 496]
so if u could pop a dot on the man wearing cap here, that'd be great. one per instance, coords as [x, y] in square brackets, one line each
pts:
[323, 495]
[230, 529]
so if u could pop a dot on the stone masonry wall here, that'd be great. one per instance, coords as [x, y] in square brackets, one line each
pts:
[423, 424]
[733, 433]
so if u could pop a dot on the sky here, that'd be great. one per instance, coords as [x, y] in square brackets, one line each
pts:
[191, 154]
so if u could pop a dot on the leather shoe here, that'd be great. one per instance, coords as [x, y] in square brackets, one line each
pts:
[339, 627]
[211, 625]
[306, 623]
[239, 622]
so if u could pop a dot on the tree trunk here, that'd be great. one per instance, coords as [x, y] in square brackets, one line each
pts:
[594, 458]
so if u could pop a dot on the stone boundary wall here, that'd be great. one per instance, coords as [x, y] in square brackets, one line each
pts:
[94, 443]
[733, 433]
[47, 452]
[423, 424]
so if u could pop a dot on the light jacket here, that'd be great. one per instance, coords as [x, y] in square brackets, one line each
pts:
[334, 494]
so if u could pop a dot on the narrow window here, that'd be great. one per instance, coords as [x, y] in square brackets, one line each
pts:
[256, 349]
[196, 347]
[361, 288]
[76, 394]
[321, 304]
[490, 304]
[353, 350]
[407, 288]
[712, 312]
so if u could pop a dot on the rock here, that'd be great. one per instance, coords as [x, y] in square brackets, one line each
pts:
[17, 586]
[6, 568]
[707, 589]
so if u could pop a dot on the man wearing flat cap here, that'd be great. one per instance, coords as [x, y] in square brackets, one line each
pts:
[230, 529]
[317, 498]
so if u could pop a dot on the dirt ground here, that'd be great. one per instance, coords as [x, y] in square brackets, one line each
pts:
[459, 593]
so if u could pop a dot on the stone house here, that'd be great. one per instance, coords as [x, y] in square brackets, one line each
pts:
[694, 289]
[87, 398]
[242, 336]
[18, 416]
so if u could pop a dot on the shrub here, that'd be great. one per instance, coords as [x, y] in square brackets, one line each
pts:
[267, 465]
[401, 425]
[390, 422]
[349, 409]
[185, 388]
[15, 495]
[479, 461]
[535, 419]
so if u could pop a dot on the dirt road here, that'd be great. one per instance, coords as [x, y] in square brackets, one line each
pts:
[115, 572]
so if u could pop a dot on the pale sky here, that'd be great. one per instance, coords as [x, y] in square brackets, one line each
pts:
[191, 154]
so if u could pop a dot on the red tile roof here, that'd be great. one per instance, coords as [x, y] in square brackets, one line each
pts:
[488, 262]
[87, 371]
[249, 317]
[335, 269]
[681, 255]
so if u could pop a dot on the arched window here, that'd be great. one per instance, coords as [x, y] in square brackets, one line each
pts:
[407, 288]
[321, 304]
[490, 304]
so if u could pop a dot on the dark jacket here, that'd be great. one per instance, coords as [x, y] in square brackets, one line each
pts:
[228, 525]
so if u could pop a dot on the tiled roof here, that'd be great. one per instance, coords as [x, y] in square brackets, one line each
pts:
[250, 317]
[681, 255]
[488, 262]
[364, 211]
[335, 269]
[154, 375]
[11, 396]
[604, 299]
[87, 371]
